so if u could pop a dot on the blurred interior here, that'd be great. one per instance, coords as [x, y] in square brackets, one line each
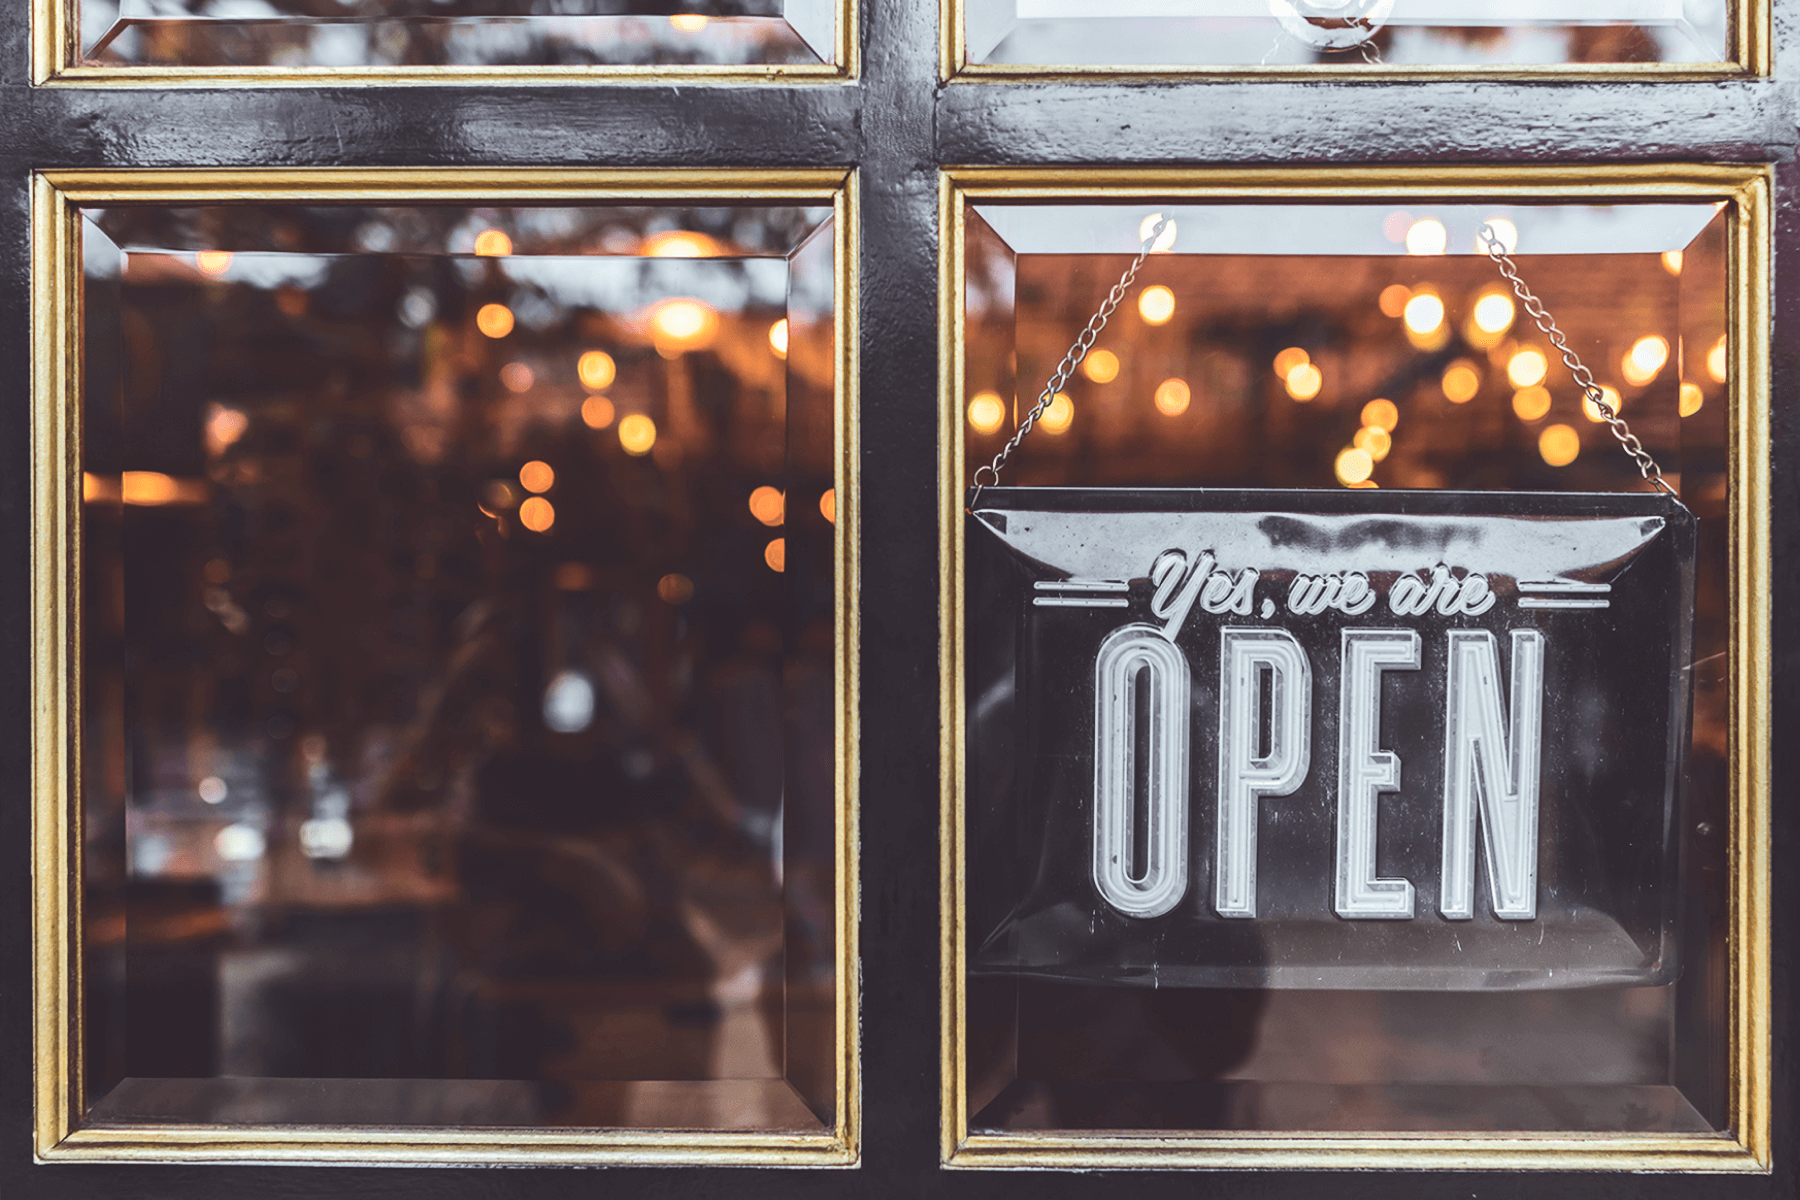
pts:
[459, 714]
[1333, 346]
[490, 33]
[1262, 33]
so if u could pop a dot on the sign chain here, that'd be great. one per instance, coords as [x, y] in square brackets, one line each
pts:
[1496, 250]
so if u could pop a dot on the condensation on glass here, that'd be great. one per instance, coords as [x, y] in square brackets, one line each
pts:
[458, 666]
[1341, 346]
[1286, 33]
[462, 33]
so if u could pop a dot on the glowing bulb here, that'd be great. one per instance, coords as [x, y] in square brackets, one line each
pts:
[1527, 368]
[1373, 441]
[1461, 381]
[1354, 466]
[1173, 397]
[537, 476]
[1156, 305]
[213, 262]
[1559, 445]
[637, 434]
[1691, 399]
[1382, 414]
[597, 412]
[1290, 358]
[688, 22]
[1644, 360]
[1505, 231]
[1613, 401]
[1393, 300]
[492, 243]
[1101, 366]
[1531, 403]
[1424, 314]
[1304, 382]
[536, 514]
[494, 320]
[680, 325]
[1426, 237]
[1058, 416]
[516, 377]
[828, 505]
[778, 338]
[986, 412]
[775, 554]
[767, 505]
[1494, 313]
[213, 790]
[1164, 240]
[1715, 360]
[679, 243]
[675, 589]
[1672, 261]
[597, 370]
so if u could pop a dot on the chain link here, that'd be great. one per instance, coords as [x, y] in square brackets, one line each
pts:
[1071, 360]
[1584, 378]
[1496, 250]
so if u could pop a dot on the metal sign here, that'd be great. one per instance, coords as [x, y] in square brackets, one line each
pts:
[1315, 739]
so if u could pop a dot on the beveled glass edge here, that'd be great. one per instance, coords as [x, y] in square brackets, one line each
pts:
[55, 55]
[1752, 55]
[1746, 1148]
[56, 282]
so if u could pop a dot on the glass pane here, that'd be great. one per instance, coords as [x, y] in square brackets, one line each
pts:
[1268, 33]
[459, 688]
[409, 33]
[1337, 347]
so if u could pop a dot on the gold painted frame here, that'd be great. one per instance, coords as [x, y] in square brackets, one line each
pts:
[1746, 1147]
[1752, 53]
[55, 62]
[56, 497]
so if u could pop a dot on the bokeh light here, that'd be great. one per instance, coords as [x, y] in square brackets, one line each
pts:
[597, 370]
[1393, 300]
[1494, 313]
[1426, 237]
[1101, 366]
[1715, 360]
[1692, 398]
[1382, 414]
[537, 515]
[1645, 359]
[1461, 381]
[1424, 313]
[494, 320]
[1608, 394]
[1058, 416]
[1354, 466]
[1156, 305]
[637, 434]
[778, 338]
[986, 412]
[1531, 403]
[675, 589]
[1290, 358]
[828, 505]
[517, 377]
[1304, 382]
[537, 476]
[1374, 441]
[492, 243]
[1559, 445]
[1172, 397]
[775, 554]
[1527, 367]
[213, 262]
[597, 412]
[767, 505]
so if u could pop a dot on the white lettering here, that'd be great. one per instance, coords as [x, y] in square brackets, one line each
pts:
[1128, 653]
[1244, 775]
[1365, 771]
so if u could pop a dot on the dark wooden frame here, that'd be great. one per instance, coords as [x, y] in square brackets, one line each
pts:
[896, 122]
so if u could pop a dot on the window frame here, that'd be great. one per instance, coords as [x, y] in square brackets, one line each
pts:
[55, 679]
[1747, 1145]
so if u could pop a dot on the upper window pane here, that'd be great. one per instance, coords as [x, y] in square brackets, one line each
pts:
[1399, 33]
[457, 33]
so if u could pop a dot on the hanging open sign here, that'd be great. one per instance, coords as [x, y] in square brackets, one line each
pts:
[1318, 739]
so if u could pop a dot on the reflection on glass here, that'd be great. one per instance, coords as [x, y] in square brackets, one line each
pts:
[454, 756]
[1269, 33]
[396, 33]
[1349, 346]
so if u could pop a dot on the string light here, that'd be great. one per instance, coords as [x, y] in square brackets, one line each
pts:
[775, 554]
[778, 338]
[596, 369]
[1527, 368]
[1613, 400]
[767, 505]
[1424, 314]
[1427, 238]
[537, 515]
[494, 320]
[1647, 357]
[597, 412]
[1354, 466]
[637, 434]
[1715, 360]
[1461, 381]
[1393, 300]
[1691, 399]
[1304, 382]
[492, 243]
[1290, 358]
[1101, 366]
[1058, 416]
[828, 505]
[537, 476]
